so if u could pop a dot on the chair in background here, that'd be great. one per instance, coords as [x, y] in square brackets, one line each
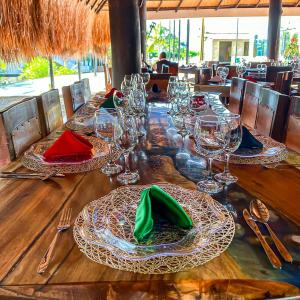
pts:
[161, 80]
[165, 69]
[205, 74]
[19, 128]
[86, 88]
[283, 82]
[273, 70]
[232, 72]
[250, 104]
[272, 114]
[292, 136]
[73, 98]
[173, 69]
[49, 111]
[237, 90]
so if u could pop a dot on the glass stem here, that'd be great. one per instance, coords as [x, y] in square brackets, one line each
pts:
[210, 161]
[226, 167]
[110, 153]
[127, 166]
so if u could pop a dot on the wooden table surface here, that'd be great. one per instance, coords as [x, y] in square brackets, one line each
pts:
[30, 209]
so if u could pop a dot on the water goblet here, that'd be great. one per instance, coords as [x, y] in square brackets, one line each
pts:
[105, 122]
[241, 70]
[127, 138]
[122, 102]
[210, 137]
[234, 139]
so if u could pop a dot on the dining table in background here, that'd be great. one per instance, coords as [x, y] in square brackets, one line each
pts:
[30, 211]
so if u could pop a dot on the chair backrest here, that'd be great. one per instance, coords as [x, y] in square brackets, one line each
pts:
[66, 92]
[272, 114]
[173, 69]
[160, 63]
[273, 70]
[283, 82]
[77, 94]
[250, 104]
[161, 80]
[205, 74]
[49, 111]
[107, 77]
[86, 89]
[237, 90]
[232, 72]
[292, 137]
[19, 128]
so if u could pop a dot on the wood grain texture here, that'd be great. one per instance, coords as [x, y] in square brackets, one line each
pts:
[30, 210]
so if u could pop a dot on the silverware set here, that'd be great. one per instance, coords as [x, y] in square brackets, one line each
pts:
[20, 175]
[260, 213]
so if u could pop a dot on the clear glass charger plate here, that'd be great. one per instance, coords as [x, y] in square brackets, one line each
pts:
[272, 152]
[33, 158]
[104, 232]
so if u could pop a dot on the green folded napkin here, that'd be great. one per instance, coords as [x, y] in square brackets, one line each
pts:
[154, 199]
[108, 103]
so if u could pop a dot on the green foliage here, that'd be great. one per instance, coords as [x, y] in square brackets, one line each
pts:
[292, 49]
[2, 65]
[38, 67]
[160, 38]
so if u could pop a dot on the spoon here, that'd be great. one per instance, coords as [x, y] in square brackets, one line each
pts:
[261, 213]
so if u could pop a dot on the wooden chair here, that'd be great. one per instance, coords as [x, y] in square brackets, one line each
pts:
[49, 111]
[272, 114]
[86, 88]
[19, 128]
[232, 72]
[205, 74]
[73, 98]
[237, 90]
[161, 80]
[173, 69]
[292, 137]
[250, 104]
[283, 82]
[273, 70]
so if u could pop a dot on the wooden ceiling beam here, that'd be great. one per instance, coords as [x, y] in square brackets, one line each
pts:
[238, 3]
[178, 6]
[257, 4]
[219, 5]
[198, 5]
[100, 6]
[159, 6]
[298, 3]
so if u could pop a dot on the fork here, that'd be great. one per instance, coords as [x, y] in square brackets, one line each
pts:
[63, 224]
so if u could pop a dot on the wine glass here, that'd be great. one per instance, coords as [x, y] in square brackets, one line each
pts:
[234, 139]
[105, 122]
[138, 106]
[126, 137]
[241, 70]
[263, 68]
[127, 81]
[210, 137]
[145, 77]
[122, 102]
[173, 79]
[220, 72]
[225, 74]
[172, 92]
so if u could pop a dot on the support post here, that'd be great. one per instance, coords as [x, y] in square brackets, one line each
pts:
[275, 12]
[202, 40]
[125, 39]
[187, 56]
[179, 33]
[143, 28]
[174, 37]
[79, 69]
[51, 73]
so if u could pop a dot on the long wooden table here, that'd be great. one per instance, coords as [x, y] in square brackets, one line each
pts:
[30, 210]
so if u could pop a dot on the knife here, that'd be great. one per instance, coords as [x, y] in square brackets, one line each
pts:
[271, 255]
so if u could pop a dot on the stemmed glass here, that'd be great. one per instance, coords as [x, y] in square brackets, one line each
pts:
[241, 70]
[172, 92]
[122, 102]
[263, 68]
[138, 106]
[223, 73]
[210, 137]
[105, 123]
[145, 77]
[127, 138]
[233, 141]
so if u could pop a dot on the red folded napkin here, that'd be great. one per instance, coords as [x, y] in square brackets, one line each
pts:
[69, 147]
[250, 78]
[111, 93]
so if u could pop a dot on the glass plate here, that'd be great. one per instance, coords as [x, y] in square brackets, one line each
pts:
[109, 223]
[81, 122]
[33, 158]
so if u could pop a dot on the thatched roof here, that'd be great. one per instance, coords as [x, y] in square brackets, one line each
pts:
[176, 5]
[67, 28]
